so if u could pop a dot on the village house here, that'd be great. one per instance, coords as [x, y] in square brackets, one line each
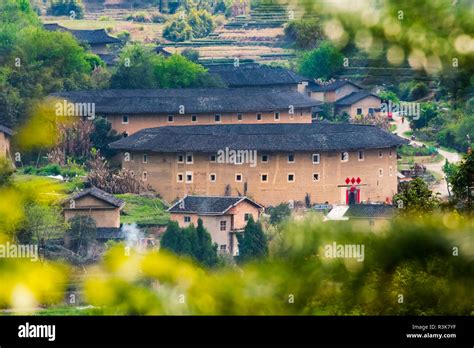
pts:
[365, 216]
[130, 111]
[359, 104]
[256, 75]
[5, 136]
[333, 163]
[332, 91]
[345, 97]
[222, 216]
[103, 207]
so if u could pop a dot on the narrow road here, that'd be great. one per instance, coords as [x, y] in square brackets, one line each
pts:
[452, 157]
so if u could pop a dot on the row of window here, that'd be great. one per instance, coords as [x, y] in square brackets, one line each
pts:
[218, 117]
[188, 158]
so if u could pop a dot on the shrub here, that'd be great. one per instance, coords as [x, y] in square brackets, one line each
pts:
[64, 8]
[304, 33]
[197, 24]
[191, 55]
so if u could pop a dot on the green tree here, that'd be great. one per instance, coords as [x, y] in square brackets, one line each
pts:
[82, 232]
[304, 33]
[102, 136]
[416, 198]
[66, 8]
[323, 62]
[206, 251]
[176, 240]
[178, 30]
[279, 213]
[462, 181]
[253, 243]
[44, 222]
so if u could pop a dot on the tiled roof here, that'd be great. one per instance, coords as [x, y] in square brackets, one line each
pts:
[355, 97]
[102, 195]
[6, 130]
[194, 100]
[208, 205]
[96, 36]
[320, 136]
[315, 87]
[247, 75]
[370, 211]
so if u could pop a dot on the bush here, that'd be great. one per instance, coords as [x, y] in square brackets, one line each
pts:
[140, 17]
[197, 24]
[323, 62]
[419, 91]
[408, 150]
[191, 55]
[304, 33]
[64, 8]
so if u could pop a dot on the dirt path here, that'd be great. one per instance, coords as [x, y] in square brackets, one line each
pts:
[452, 157]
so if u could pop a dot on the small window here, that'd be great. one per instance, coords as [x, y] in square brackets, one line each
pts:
[315, 158]
[189, 159]
[194, 118]
[371, 111]
[223, 247]
[145, 176]
[359, 111]
[277, 116]
[223, 225]
[212, 177]
[264, 158]
[291, 158]
[315, 176]
[180, 158]
[180, 177]
[189, 177]
[247, 216]
[390, 171]
[212, 158]
[264, 178]
[380, 154]
[240, 117]
[187, 219]
[217, 118]
[238, 177]
[125, 134]
[170, 119]
[380, 172]
[259, 117]
[145, 158]
[361, 155]
[390, 153]
[132, 172]
[238, 159]
[344, 156]
[125, 119]
[291, 177]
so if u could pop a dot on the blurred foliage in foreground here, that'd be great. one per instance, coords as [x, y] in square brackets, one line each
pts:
[411, 268]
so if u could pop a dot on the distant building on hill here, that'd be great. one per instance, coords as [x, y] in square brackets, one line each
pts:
[333, 163]
[97, 39]
[223, 217]
[256, 75]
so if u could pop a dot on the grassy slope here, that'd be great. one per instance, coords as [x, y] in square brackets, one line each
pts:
[143, 210]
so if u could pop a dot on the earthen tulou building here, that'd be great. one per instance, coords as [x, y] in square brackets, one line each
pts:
[274, 163]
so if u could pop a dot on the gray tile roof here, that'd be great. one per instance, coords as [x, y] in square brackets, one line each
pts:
[6, 130]
[315, 87]
[247, 75]
[370, 211]
[355, 97]
[319, 136]
[91, 37]
[194, 100]
[102, 195]
[208, 205]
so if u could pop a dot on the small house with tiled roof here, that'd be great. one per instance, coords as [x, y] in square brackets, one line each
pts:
[359, 104]
[103, 207]
[332, 91]
[222, 216]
